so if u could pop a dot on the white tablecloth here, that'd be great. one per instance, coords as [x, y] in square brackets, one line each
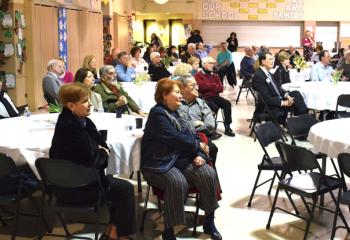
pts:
[26, 139]
[302, 76]
[143, 95]
[331, 137]
[320, 95]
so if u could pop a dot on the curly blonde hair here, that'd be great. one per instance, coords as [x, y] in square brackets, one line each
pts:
[183, 69]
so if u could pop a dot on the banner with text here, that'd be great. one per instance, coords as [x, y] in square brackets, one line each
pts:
[280, 10]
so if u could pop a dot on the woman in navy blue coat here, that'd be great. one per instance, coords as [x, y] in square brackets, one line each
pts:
[172, 157]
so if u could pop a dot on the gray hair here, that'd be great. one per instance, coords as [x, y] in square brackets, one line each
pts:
[184, 79]
[104, 70]
[52, 63]
[154, 55]
[191, 45]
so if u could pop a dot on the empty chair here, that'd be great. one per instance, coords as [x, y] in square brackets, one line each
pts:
[13, 187]
[306, 185]
[343, 197]
[266, 134]
[63, 178]
[343, 101]
[245, 86]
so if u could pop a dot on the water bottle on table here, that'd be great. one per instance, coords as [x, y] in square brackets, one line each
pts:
[26, 112]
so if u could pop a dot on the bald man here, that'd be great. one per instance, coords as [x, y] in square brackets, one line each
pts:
[247, 64]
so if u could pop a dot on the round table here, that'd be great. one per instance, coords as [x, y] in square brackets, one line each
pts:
[27, 138]
[320, 95]
[331, 137]
[302, 76]
[143, 95]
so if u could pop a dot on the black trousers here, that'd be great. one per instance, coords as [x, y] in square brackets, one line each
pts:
[217, 102]
[230, 73]
[298, 108]
[121, 195]
[213, 151]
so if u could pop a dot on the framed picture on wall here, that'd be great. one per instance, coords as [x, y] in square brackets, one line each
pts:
[10, 80]
[7, 22]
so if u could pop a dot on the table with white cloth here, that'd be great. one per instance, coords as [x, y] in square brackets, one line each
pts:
[27, 138]
[142, 94]
[301, 76]
[331, 137]
[320, 95]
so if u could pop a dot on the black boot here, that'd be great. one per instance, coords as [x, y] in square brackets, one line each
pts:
[168, 234]
[228, 131]
[209, 227]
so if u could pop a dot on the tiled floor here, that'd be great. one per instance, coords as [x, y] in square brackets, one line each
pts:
[236, 164]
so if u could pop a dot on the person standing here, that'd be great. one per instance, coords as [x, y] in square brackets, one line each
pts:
[307, 43]
[232, 42]
[155, 40]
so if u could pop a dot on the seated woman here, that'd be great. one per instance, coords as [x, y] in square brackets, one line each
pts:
[90, 62]
[156, 69]
[172, 157]
[113, 95]
[173, 54]
[76, 139]
[194, 62]
[7, 108]
[85, 76]
[137, 61]
[281, 75]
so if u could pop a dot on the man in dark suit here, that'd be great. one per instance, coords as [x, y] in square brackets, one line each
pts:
[51, 83]
[279, 101]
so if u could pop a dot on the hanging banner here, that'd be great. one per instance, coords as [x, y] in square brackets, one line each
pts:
[62, 34]
[281, 10]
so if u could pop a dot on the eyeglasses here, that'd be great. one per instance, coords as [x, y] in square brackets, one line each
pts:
[193, 86]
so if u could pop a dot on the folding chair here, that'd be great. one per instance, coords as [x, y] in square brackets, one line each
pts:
[13, 187]
[245, 86]
[306, 185]
[343, 197]
[342, 101]
[60, 179]
[266, 134]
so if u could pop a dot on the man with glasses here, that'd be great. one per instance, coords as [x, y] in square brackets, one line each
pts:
[279, 101]
[209, 86]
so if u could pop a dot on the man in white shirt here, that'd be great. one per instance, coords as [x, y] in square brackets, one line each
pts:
[322, 71]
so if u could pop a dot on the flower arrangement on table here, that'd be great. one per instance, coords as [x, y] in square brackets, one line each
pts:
[300, 63]
[336, 75]
[55, 108]
[166, 61]
[142, 78]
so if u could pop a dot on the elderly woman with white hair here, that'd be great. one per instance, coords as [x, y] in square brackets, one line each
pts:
[156, 69]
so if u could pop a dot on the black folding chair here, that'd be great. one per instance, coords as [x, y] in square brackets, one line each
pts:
[306, 185]
[245, 86]
[14, 188]
[263, 113]
[342, 101]
[343, 197]
[298, 129]
[266, 134]
[62, 178]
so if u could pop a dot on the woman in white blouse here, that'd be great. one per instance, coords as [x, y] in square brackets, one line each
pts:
[7, 108]
[137, 61]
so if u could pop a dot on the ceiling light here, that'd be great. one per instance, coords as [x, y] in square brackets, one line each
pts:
[160, 1]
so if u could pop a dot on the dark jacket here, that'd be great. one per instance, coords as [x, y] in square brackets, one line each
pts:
[158, 72]
[74, 142]
[232, 47]
[247, 67]
[281, 75]
[267, 91]
[163, 145]
[194, 39]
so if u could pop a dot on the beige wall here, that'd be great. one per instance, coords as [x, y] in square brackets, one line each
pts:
[326, 10]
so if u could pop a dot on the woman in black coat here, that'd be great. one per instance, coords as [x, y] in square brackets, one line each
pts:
[76, 139]
[232, 42]
[281, 75]
[156, 68]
